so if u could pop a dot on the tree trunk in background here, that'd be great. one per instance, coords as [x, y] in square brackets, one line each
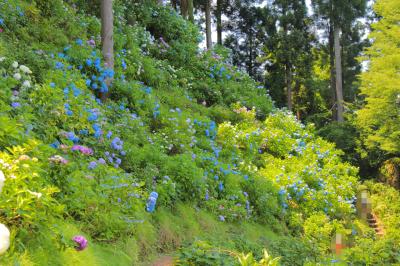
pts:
[339, 82]
[332, 69]
[250, 66]
[296, 91]
[208, 24]
[190, 10]
[289, 87]
[107, 42]
[184, 9]
[174, 4]
[160, 2]
[219, 22]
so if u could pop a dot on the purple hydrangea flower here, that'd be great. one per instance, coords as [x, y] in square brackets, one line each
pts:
[92, 165]
[81, 242]
[91, 43]
[82, 149]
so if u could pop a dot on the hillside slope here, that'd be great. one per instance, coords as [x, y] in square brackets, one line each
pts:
[180, 125]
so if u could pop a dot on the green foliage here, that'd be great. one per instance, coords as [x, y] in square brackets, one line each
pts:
[228, 169]
[384, 249]
[267, 260]
[345, 136]
[379, 118]
[26, 198]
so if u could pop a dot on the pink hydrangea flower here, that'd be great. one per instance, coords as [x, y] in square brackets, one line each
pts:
[81, 242]
[83, 149]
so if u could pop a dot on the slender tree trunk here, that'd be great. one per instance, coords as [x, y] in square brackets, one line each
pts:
[339, 82]
[289, 87]
[160, 2]
[219, 22]
[191, 10]
[107, 27]
[296, 92]
[184, 9]
[332, 70]
[208, 24]
[250, 70]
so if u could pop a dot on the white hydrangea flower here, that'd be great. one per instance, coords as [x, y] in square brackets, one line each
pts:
[2, 59]
[2, 179]
[25, 69]
[15, 64]
[17, 76]
[26, 84]
[4, 239]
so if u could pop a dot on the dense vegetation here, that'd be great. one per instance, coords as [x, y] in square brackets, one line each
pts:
[186, 154]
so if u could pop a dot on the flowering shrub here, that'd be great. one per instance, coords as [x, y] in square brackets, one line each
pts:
[165, 135]
[26, 198]
[4, 239]
[306, 169]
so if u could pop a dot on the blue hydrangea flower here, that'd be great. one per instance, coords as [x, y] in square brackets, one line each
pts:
[89, 62]
[117, 144]
[221, 186]
[59, 65]
[151, 202]
[15, 104]
[92, 165]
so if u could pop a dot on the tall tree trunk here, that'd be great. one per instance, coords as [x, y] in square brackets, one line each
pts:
[332, 70]
[251, 55]
[289, 87]
[339, 82]
[107, 42]
[191, 10]
[184, 9]
[219, 22]
[208, 24]
[296, 92]
[174, 4]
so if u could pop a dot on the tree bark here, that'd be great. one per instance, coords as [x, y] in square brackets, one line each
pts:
[208, 24]
[332, 70]
[184, 9]
[289, 87]
[107, 41]
[191, 10]
[338, 68]
[251, 55]
[219, 22]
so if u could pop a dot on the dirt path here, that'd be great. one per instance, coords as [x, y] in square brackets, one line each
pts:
[164, 261]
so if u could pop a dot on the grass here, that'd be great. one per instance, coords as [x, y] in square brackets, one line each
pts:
[164, 233]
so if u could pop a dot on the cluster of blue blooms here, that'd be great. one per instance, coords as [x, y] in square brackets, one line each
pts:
[219, 72]
[218, 166]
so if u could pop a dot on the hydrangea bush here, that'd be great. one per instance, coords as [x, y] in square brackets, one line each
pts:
[178, 127]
